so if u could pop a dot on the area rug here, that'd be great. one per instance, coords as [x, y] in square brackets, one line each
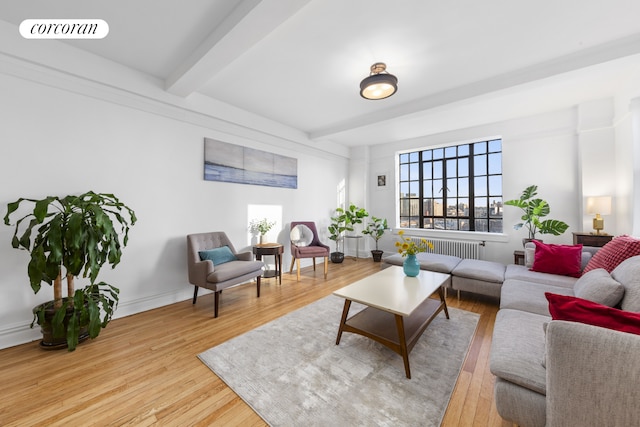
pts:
[291, 372]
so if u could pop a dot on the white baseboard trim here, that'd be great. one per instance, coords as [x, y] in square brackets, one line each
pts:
[21, 333]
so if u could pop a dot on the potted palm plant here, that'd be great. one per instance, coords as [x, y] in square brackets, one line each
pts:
[533, 209]
[68, 237]
[376, 228]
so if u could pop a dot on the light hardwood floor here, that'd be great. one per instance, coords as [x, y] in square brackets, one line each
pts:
[143, 370]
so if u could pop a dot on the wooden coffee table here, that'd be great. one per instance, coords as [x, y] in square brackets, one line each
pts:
[399, 308]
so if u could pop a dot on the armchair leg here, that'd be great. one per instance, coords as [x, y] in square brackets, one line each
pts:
[298, 268]
[326, 266]
[195, 295]
[314, 263]
[258, 286]
[291, 268]
[216, 304]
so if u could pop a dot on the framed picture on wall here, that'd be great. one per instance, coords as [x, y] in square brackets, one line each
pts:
[381, 181]
[243, 165]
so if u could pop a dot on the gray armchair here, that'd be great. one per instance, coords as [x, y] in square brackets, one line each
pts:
[224, 268]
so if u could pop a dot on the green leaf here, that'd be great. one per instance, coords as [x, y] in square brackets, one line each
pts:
[42, 208]
[552, 226]
[57, 322]
[11, 208]
[529, 192]
[73, 332]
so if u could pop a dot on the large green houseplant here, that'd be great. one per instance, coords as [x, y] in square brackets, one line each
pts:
[533, 210]
[376, 228]
[68, 237]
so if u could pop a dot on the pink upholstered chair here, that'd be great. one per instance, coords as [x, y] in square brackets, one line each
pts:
[306, 244]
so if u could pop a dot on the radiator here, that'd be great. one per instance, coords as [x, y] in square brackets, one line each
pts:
[460, 248]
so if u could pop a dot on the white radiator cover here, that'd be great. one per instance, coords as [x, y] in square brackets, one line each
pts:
[460, 248]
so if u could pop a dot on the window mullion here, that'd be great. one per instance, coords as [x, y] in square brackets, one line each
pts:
[472, 194]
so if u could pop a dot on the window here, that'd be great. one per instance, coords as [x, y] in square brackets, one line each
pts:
[452, 188]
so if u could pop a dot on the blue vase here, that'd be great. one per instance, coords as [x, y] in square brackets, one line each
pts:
[411, 266]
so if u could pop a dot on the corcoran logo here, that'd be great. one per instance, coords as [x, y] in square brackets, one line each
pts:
[64, 29]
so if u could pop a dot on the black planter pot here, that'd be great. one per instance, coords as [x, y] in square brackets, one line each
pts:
[526, 240]
[377, 255]
[337, 257]
[49, 340]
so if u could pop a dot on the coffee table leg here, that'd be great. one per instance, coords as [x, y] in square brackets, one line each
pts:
[403, 344]
[444, 301]
[345, 313]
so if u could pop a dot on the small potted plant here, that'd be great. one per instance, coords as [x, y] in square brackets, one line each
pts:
[68, 237]
[261, 227]
[533, 210]
[336, 229]
[376, 228]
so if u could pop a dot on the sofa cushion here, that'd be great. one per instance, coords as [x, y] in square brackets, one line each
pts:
[520, 272]
[598, 286]
[529, 296]
[517, 347]
[487, 271]
[580, 310]
[628, 274]
[233, 269]
[429, 261]
[218, 255]
[613, 253]
[557, 259]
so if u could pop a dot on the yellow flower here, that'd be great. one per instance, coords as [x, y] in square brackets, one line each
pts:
[407, 246]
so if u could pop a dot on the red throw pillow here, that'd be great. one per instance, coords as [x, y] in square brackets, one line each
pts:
[557, 259]
[613, 253]
[572, 309]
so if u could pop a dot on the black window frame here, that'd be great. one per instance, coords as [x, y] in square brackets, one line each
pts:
[424, 187]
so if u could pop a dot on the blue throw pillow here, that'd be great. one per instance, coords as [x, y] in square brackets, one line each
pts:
[218, 255]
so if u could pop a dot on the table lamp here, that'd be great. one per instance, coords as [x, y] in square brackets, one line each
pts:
[599, 206]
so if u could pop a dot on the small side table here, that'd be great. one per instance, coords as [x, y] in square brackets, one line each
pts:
[588, 239]
[274, 249]
[357, 245]
[518, 257]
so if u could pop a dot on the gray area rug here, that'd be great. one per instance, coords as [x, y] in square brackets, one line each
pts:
[292, 374]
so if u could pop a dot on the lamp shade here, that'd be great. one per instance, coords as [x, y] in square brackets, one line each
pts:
[599, 205]
[379, 84]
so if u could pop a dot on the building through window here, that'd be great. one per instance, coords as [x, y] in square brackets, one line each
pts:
[452, 188]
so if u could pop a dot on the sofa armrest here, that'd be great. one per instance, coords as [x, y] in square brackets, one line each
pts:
[592, 376]
[198, 272]
[245, 256]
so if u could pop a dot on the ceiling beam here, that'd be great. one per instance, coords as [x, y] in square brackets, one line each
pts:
[248, 23]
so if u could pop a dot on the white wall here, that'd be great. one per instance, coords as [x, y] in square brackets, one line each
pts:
[568, 153]
[58, 142]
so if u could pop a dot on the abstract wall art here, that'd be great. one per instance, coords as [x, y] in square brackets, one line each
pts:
[243, 165]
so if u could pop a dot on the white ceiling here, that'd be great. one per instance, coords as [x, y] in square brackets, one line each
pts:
[300, 62]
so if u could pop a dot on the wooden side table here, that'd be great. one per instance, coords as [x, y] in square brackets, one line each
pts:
[588, 239]
[274, 249]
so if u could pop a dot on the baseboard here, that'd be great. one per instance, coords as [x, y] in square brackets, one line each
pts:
[21, 333]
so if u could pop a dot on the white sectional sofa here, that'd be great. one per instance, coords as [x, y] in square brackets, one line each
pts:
[558, 373]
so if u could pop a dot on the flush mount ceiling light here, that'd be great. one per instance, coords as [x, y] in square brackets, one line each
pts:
[380, 84]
